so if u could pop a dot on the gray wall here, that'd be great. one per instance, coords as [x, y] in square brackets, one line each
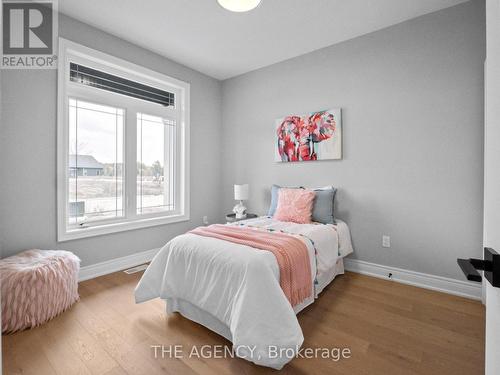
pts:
[412, 101]
[2, 166]
[28, 154]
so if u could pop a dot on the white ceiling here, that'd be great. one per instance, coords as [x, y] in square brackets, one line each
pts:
[202, 35]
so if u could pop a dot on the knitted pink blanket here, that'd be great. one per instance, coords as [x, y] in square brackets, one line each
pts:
[290, 252]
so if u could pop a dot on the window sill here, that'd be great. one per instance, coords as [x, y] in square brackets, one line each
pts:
[74, 234]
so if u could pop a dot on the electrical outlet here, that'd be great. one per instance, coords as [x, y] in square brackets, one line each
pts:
[386, 241]
[205, 220]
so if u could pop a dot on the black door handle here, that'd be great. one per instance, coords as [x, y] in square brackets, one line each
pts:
[490, 265]
[469, 270]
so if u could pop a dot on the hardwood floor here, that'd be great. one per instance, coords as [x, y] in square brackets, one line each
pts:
[390, 329]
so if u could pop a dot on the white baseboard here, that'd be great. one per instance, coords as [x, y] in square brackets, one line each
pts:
[441, 284]
[117, 264]
[460, 288]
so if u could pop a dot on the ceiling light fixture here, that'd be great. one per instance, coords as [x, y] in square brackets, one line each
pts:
[239, 5]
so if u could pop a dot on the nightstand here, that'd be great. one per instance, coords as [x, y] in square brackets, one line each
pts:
[231, 218]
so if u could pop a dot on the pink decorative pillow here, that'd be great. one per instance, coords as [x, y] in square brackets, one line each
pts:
[295, 205]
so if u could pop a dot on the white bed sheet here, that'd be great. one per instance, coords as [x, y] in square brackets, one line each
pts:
[206, 319]
[235, 290]
[330, 240]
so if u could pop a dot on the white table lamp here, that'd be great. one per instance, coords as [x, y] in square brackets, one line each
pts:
[240, 194]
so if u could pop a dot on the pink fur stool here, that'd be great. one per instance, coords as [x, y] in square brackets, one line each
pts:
[36, 286]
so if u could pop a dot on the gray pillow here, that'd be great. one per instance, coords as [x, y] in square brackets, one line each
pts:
[274, 200]
[323, 205]
[322, 208]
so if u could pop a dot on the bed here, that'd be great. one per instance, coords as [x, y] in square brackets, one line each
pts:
[234, 289]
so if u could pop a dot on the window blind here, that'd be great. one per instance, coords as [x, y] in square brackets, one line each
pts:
[104, 81]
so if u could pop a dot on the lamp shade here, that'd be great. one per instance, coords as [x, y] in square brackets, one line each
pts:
[241, 192]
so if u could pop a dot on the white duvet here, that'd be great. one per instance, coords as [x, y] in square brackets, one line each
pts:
[239, 285]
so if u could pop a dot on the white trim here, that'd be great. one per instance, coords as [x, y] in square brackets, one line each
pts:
[114, 265]
[460, 288]
[99, 230]
[118, 65]
[75, 52]
[422, 280]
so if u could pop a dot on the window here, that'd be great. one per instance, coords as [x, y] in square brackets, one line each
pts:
[155, 164]
[95, 151]
[122, 145]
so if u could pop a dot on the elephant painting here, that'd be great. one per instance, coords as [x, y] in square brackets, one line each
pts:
[316, 136]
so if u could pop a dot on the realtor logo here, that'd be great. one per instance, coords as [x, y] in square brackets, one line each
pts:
[29, 34]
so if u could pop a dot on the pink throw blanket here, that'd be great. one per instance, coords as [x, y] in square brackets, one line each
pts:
[290, 252]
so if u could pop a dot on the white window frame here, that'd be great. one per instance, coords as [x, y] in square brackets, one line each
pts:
[73, 52]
